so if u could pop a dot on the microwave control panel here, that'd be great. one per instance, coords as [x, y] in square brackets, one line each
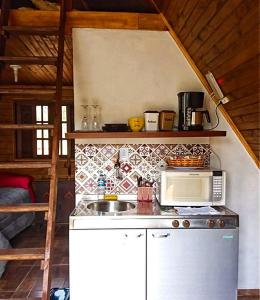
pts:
[217, 185]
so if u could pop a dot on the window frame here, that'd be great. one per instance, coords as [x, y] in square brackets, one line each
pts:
[18, 151]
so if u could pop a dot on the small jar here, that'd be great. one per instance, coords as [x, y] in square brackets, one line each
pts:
[166, 120]
[151, 120]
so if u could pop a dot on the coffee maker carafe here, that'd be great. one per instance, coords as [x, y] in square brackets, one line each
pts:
[191, 111]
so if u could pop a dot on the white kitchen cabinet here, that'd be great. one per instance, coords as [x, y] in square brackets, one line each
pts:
[194, 264]
[108, 264]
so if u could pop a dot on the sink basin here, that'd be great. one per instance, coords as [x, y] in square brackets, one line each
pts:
[110, 206]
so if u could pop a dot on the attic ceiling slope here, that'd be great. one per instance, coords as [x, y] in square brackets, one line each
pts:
[222, 36]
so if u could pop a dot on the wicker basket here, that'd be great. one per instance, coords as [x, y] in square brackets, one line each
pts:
[192, 161]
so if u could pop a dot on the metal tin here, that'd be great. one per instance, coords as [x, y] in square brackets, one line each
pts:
[166, 119]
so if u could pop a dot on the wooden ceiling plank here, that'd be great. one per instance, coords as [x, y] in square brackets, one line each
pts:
[250, 117]
[251, 89]
[52, 42]
[193, 20]
[231, 45]
[185, 16]
[251, 133]
[231, 62]
[245, 110]
[241, 76]
[203, 21]
[228, 25]
[241, 102]
[39, 45]
[35, 49]
[219, 18]
[246, 77]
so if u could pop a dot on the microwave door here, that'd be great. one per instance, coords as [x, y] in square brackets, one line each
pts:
[188, 190]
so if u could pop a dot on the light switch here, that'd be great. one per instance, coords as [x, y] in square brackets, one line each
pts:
[123, 154]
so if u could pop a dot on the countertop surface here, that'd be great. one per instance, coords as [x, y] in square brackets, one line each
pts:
[142, 210]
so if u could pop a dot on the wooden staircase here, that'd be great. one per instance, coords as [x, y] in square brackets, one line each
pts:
[45, 255]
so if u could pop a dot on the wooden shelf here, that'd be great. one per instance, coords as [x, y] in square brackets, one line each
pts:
[144, 134]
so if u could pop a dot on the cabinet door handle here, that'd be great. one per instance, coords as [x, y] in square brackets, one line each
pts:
[160, 235]
[137, 236]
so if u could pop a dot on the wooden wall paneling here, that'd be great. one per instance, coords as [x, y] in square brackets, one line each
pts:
[228, 24]
[241, 76]
[194, 20]
[245, 110]
[36, 50]
[203, 17]
[229, 49]
[184, 17]
[21, 46]
[238, 77]
[40, 47]
[214, 24]
[242, 102]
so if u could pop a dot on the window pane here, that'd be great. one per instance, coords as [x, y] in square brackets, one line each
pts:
[45, 113]
[64, 113]
[63, 130]
[59, 147]
[46, 133]
[64, 147]
[46, 147]
[39, 147]
[38, 113]
[39, 133]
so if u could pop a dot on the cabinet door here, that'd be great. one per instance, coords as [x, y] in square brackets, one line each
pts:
[194, 264]
[108, 264]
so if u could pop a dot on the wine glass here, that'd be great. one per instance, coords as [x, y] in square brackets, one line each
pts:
[95, 120]
[85, 119]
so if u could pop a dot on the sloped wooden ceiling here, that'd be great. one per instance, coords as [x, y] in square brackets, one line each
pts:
[222, 36]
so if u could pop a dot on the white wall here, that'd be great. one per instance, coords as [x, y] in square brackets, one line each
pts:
[242, 197]
[127, 72]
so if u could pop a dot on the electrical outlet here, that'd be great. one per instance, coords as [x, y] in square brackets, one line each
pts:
[225, 100]
[123, 154]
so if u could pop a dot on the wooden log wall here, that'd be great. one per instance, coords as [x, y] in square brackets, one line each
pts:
[222, 36]
[7, 137]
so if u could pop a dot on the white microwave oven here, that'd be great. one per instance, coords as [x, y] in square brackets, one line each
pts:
[192, 187]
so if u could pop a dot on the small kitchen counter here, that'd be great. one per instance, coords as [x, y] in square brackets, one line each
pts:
[148, 215]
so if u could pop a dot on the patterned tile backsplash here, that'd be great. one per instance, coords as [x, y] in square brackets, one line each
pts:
[144, 160]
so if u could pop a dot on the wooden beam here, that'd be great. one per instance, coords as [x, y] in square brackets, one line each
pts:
[207, 87]
[34, 92]
[29, 60]
[87, 19]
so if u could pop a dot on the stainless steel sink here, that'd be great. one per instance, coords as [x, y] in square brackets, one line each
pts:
[110, 206]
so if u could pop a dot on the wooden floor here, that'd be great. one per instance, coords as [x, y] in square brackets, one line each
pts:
[24, 278]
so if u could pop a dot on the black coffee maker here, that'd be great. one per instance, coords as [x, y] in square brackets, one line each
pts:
[191, 111]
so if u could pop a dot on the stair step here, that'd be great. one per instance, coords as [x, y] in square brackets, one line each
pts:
[24, 165]
[24, 207]
[29, 60]
[17, 30]
[22, 254]
[26, 126]
[13, 90]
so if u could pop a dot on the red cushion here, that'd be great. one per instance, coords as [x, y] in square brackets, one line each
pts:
[17, 181]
